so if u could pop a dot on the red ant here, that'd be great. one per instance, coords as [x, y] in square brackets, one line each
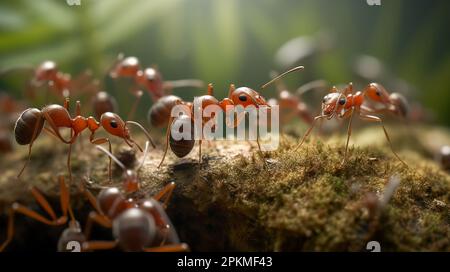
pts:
[291, 103]
[242, 96]
[31, 122]
[103, 102]
[137, 225]
[150, 79]
[394, 103]
[61, 83]
[53, 221]
[345, 104]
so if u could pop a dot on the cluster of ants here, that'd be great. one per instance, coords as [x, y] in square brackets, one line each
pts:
[142, 224]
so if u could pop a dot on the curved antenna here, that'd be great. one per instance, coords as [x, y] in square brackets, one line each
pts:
[144, 130]
[312, 85]
[144, 157]
[282, 75]
[116, 160]
[279, 85]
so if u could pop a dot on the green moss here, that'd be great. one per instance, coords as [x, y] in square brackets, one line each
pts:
[283, 200]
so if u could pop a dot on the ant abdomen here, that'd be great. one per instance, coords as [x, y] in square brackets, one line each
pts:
[159, 113]
[134, 229]
[400, 103]
[30, 123]
[183, 146]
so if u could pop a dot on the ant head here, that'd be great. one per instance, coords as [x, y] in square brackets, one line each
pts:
[332, 103]
[377, 93]
[134, 229]
[46, 71]
[245, 96]
[111, 201]
[114, 125]
[125, 67]
[152, 79]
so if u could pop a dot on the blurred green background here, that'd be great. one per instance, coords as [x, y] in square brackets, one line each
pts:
[231, 41]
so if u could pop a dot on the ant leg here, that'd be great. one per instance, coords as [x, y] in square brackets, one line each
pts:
[90, 197]
[66, 103]
[100, 141]
[56, 129]
[349, 132]
[199, 151]
[372, 118]
[257, 141]
[143, 130]
[99, 245]
[30, 145]
[169, 125]
[68, 162]
[65, 200]
[100, 219]
[165, 192]
[309, 131]
[169, 248]
[138, 94]
[10, 231]
[18, 208]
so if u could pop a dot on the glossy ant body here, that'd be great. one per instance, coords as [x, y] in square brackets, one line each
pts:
[103, 102]
[149, 79]
[345, 104]
[242, 96]
[61, 83]
[394, 103]
[31, 122]
[137, 225]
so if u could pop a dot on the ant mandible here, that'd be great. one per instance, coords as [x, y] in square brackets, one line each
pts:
[137, 225]
[149, 78]
[31, 122]
[345, 104]
[242, 96]
[53, 221]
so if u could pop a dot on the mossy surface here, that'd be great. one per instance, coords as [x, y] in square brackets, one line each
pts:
[286, 200]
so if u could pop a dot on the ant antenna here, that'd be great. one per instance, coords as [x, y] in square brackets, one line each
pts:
[143, 129]
[312, 85]
[282, 75]
[116, 160]
[119, 163]
[144, 157]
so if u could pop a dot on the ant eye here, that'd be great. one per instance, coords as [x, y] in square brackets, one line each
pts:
[342, 101]
[243, 98]
[378, 93]
[113, 124]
